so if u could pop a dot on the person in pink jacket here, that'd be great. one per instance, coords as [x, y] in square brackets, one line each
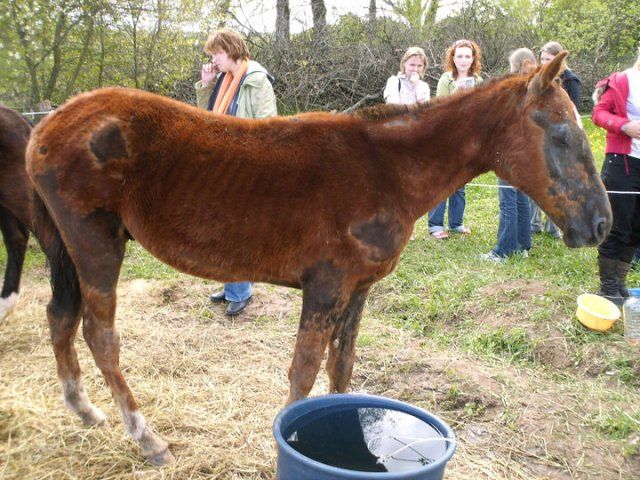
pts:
[617, 110]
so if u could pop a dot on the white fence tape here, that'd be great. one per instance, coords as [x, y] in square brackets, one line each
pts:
[489, 185]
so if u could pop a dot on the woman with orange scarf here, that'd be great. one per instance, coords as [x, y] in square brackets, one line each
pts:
[234, 85]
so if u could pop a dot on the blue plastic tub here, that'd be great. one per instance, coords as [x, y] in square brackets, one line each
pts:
[294, 465]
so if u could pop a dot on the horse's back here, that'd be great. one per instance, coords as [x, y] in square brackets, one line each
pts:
[15, 188]
[100, 142]
[14, 135]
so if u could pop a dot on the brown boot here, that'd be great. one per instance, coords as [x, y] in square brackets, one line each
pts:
[608, 270]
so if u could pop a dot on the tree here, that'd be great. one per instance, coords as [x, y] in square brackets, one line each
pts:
[419, 14]
[319, 12]
[282, 22]
[601, 35]
[51, 41]
[52, 50]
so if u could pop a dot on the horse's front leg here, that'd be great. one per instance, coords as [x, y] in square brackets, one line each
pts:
[321, 301]
[313, 334]
[15, 236]
[342, 347]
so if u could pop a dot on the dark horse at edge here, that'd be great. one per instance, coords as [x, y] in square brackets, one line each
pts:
[16, 196]
[321, 202]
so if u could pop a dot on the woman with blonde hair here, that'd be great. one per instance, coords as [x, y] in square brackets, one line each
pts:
[234, 85]
[522, 61]
[617, 110]
[407, 86]
[463, 65]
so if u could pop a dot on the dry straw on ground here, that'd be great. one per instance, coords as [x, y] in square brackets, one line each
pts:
[212, 386]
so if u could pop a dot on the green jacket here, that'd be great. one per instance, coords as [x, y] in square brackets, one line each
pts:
[255, 99]
[446, 84]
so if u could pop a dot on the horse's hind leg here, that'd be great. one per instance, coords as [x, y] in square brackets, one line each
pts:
[343, 343]
[96, 242]
[98, 261]
[63, 314]
[15, 236]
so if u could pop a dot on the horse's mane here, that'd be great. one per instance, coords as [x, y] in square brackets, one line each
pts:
[384, 111]
[387, 110]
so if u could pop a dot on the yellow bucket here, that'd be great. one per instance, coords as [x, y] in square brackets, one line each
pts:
[596, 312]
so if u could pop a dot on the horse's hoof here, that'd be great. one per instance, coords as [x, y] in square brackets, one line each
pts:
[94, 417]
[162, 459]
[7, 305]
[104, 424]
[294, 398]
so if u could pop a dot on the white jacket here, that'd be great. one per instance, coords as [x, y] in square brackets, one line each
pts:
[400, 89]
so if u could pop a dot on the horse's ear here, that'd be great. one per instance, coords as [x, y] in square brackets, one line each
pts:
[543, 80]
[527, 67]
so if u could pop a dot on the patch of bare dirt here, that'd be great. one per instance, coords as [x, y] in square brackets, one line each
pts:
[513, 298]
[519, 289]
[555, 353]
[517, 299]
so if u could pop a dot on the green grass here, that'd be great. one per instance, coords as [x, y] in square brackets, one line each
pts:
[619, 424]
[141, 264]
[514, 344]
[596, 139]
[628, 370]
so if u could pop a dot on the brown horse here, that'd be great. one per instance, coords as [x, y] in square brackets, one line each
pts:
[16, 195]
[321, 202]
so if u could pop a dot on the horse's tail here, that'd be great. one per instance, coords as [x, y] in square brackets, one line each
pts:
[65, 286]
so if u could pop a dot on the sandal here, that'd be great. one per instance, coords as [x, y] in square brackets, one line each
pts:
[440, 234]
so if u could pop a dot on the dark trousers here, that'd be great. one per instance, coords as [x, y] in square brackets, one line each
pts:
[622, 173]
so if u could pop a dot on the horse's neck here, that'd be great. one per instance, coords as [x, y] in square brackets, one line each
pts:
[434, 152]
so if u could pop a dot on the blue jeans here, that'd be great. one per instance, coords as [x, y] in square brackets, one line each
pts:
[536, 221]
[237, 291]
[514, 229]
[457, 202]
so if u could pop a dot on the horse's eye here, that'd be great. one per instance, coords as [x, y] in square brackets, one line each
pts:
[560, 135]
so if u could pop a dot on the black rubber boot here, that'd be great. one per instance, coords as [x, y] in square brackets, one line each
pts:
[623, 271]
[608, 269]
[217, 297]
[235, 308]
[624, 265]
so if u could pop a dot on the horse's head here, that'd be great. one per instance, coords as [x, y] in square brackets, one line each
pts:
[547, 155]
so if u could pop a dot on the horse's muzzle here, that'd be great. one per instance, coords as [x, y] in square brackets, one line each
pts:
[584, 234]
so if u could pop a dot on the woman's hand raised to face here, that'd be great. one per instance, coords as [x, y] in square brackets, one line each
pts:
[208, 73]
